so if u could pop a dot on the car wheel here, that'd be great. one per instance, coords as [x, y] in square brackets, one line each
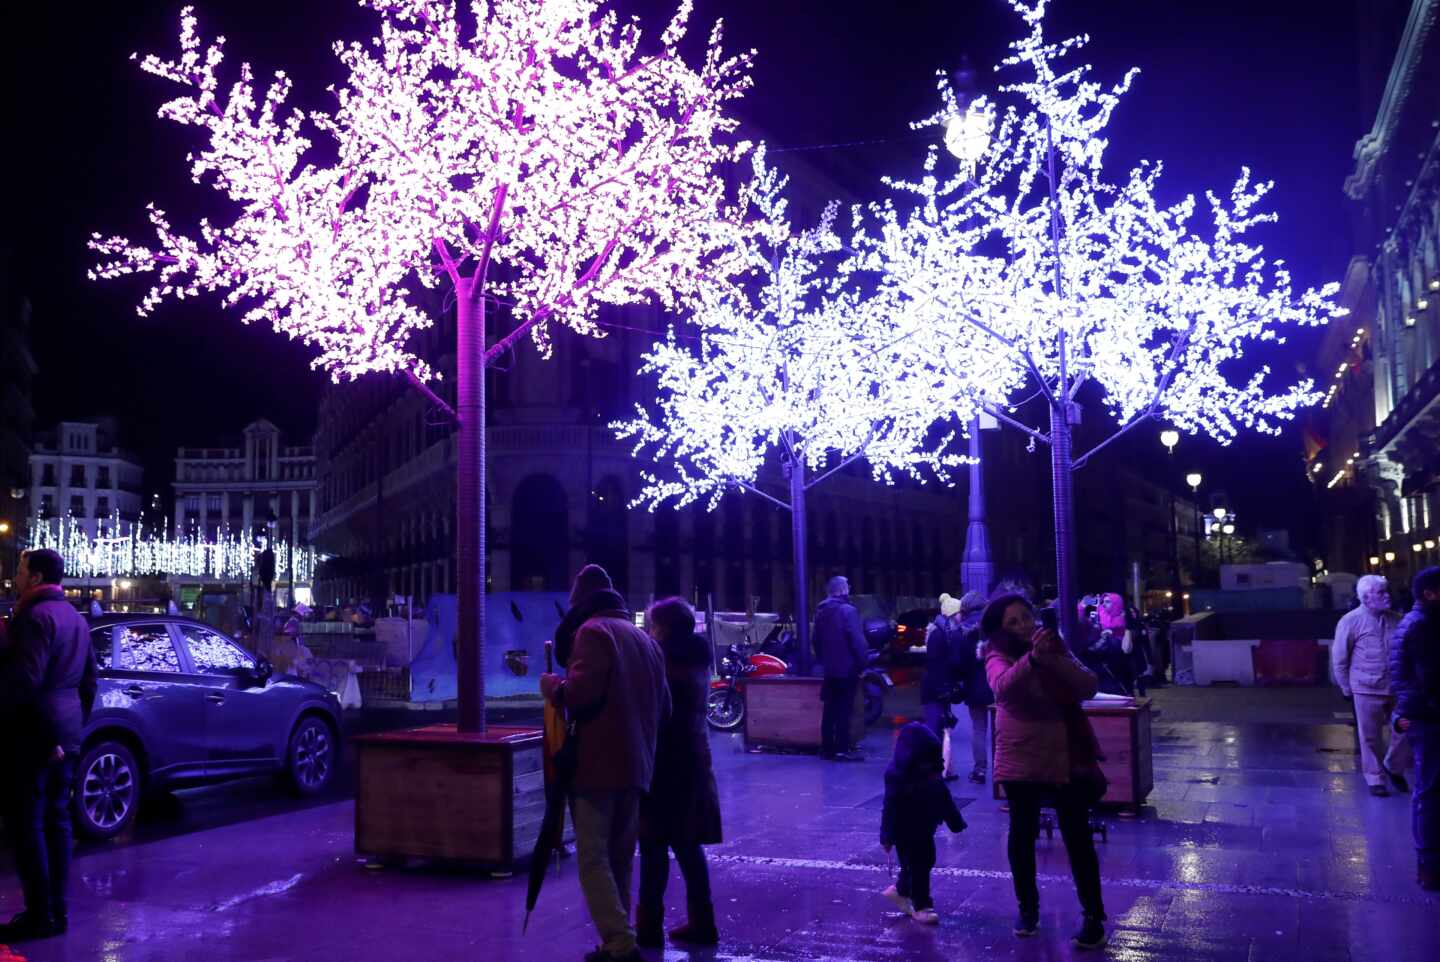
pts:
[107, 790]
[310, 763]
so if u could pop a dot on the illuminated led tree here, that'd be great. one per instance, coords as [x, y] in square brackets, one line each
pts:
[795, 365]
[1026, 270]
[534, 154]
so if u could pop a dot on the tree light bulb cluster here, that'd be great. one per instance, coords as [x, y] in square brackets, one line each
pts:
[122, 550]
[792, 359]
[1152, 308]
[545, 143]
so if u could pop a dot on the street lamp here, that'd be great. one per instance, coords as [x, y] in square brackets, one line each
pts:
[1193, 479]
[1374, 561]
[967, 131]
[1219, 514]
[1170, 437]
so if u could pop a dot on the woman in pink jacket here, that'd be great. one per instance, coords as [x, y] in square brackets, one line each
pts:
[1045, 754]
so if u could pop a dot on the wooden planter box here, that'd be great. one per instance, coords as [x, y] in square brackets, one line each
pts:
[1123, 730]
[435, 793]
[784, 712]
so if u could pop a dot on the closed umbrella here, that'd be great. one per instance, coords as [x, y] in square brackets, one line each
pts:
[558, 749]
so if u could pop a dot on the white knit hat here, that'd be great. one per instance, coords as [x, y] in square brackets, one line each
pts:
[949, 607]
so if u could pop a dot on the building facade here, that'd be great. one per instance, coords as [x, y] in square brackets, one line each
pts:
[1375, 456]
[78, 471]
[264, 487]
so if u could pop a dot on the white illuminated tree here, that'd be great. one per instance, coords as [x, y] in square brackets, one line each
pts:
[1023, 269]
[528, 151]
[797, 365]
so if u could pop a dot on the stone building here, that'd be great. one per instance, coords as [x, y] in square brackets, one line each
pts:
[265, 484]
[78, 471]
[1373, 453]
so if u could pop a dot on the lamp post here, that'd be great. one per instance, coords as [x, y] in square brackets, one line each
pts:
[1194, 479]
[967, 137]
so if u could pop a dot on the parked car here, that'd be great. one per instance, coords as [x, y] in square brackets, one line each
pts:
[180, 703]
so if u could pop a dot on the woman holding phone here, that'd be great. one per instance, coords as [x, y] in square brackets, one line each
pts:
[1045, 754]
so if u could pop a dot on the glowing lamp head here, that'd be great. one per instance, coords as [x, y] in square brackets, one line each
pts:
[1193, 479]
[4, 527]
[1429, 544]
[1389, 556]
[1170, 437]
[1228, 529]
[1417, 548]
[1219, 514]
[1374, 561]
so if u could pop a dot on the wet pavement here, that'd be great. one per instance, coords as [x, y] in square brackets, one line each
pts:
[1259, 842]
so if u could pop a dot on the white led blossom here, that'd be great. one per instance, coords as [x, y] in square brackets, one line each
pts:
[537, 155]
[543, 141]
[1027, 271]
[1148, 306]
[790, 361]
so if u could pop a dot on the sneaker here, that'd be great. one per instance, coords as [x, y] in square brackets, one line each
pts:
[1027, 923]
[1091, 934]
[1398, 780]
[1379, 791]
[952, 777]
[978, 776]
[901, 902]
[925, 916]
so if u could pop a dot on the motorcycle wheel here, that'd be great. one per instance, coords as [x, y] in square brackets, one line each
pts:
[724, 709]
[874, 704]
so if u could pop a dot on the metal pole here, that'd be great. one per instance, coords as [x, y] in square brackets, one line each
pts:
[977, 571]
[800, 554]
[470, 502]
[1062, 462]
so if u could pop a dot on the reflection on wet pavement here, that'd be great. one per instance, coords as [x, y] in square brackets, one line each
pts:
[1259, 842]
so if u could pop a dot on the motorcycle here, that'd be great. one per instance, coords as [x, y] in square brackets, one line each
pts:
[875, 682]
[725, 705]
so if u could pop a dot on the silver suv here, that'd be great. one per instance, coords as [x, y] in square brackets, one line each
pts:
[180, 703]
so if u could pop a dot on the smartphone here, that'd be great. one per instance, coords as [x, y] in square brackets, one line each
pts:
[1050, 619]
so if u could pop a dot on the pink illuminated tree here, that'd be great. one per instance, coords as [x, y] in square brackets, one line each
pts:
[531, 152]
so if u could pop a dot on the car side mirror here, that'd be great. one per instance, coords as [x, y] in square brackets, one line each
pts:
[261, 672]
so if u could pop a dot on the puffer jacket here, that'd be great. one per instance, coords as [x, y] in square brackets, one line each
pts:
[1032, 694]
[1415, 666]
[839, 642]
[1360, 653]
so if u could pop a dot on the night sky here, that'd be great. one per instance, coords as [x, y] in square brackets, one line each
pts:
[1274, 85]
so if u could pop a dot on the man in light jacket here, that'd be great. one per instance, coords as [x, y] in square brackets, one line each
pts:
[616, 691]
[840, 647]
[1360, 659]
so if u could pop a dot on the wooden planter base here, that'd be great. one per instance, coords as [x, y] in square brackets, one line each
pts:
[783, 712]
[436, 793]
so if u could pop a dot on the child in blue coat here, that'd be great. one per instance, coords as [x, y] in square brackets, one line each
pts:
[916, 803]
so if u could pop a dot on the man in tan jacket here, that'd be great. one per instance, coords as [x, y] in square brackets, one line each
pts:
[1360, 659]
[615, 690]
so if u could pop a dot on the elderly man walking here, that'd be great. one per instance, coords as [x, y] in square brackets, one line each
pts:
[1360, 658]
[616, 692]
[840, 646]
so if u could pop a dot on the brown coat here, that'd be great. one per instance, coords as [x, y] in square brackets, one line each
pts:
[1031, 694]
[615, 690]
[684, 801]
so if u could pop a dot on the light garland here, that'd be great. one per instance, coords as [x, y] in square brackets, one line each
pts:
[123, 550]
[1154, 310]
[791, 359]
[545, 145]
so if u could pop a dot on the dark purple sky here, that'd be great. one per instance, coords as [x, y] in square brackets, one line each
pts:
[1274, 85]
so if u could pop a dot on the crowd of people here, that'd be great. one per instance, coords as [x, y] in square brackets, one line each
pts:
[643, 776]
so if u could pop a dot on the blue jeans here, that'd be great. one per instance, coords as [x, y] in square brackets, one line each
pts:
[39, 809]
[1425, 802]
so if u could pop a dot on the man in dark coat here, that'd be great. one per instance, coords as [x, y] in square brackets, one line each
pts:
[840, 647]
[1415, 682]
[47, 685]
[615, 691]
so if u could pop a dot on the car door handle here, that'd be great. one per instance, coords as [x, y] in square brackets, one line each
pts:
[134, 691]
[215, 697]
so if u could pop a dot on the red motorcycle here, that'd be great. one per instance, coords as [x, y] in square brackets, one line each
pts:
[725, 706]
